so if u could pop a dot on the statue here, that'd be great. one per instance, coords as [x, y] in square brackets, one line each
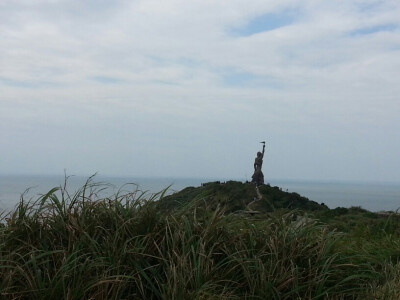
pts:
[258, 176]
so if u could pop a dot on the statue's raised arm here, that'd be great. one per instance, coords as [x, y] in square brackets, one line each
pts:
[263, 148]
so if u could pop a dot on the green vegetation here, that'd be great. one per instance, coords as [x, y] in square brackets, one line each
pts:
[234, 196]
[196, 244]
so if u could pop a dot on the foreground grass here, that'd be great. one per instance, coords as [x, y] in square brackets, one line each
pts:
[81, 246]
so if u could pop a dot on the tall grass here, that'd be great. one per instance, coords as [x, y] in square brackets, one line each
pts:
[83, 246]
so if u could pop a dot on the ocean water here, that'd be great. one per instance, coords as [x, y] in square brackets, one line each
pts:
[371, 196]
[368, 195]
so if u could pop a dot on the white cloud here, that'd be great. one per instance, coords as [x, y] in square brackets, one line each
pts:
[116, 77]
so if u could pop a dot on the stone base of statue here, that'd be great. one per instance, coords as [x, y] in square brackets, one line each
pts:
[258, 177]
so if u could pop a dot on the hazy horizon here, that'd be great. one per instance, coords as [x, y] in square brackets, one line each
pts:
[272, 180]
[374, 196]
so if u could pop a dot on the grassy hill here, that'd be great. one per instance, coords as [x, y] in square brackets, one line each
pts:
[195, 244]
[235, 196]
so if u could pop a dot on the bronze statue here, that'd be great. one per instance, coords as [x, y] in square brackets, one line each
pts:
[258, 176]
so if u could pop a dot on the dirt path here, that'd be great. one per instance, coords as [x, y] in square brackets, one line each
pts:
[259, 197]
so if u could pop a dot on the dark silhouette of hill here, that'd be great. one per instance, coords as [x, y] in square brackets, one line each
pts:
[236, 196]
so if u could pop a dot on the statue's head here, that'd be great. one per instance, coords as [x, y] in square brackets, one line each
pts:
[259, 154]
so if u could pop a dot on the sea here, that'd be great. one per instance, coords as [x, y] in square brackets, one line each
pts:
[373, 196]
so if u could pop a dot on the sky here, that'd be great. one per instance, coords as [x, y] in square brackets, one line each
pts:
[173, 88]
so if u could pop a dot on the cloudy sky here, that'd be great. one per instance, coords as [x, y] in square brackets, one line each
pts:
[179, 88]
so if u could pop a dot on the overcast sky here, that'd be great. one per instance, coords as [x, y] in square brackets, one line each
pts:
[179, 88]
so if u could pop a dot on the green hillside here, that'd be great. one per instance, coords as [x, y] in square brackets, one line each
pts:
[234, 196]
[218, 241]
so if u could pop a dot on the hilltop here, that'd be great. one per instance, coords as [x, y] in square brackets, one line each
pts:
[235, 196]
